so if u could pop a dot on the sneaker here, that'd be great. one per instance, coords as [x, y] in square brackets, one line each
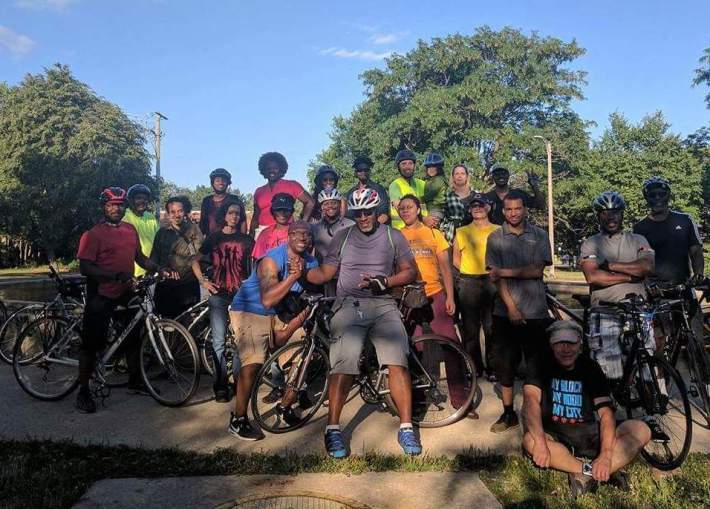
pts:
[505, 422]
[492, 378]
[657, 433]
[222, 396]
[274, 396]
[579, 484]
[334, 444]
[409, 441]
[85, 402]
[138, 388]
[241, 428]
[619, 480]
[304, 402]
[288, 415]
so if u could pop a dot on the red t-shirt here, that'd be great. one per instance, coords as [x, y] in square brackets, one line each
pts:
[268, 239]
[111, 248]
[263, 195]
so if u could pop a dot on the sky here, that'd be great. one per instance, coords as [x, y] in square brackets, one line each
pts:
[237, 79]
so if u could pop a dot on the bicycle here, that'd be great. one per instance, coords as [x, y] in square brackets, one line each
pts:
[682, 337]
[650, 387]
[46, 356]
[433, 361]
[69, 302]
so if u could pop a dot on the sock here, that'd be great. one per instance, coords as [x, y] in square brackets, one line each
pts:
[405, 425]
[332, 427]
[508, 409]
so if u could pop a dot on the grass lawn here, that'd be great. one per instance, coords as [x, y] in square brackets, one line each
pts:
[56, 474]
[37, 270]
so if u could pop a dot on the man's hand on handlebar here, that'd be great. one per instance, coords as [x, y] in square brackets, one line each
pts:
[376, 284]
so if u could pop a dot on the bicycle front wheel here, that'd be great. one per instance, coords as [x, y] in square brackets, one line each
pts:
[699, 366]
[46, 358]
[657, 395]
[170, 365]
[306, 375]
[13, 326]
[443, 381]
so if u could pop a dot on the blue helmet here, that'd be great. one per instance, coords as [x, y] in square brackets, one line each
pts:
[434, 159]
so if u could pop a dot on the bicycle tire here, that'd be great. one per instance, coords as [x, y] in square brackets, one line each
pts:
[3, 312]
[161, 374]
[13, 326]
[660, 393]
[316, 385]
[46, 358]
[451, 354]
[699, 365]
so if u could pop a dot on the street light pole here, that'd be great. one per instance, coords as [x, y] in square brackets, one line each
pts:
[158, 134]
[550, 203]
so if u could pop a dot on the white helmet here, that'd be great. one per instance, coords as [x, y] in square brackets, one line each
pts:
[363, 199]
[329, 194]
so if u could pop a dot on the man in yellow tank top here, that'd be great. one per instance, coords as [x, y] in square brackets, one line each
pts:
[475, 292]
[405, 184]
[144, 222]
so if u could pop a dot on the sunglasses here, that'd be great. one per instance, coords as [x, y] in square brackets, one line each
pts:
[363, 213]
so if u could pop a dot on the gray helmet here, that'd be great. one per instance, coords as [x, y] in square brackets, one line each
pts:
[609, 200]
[138, 189]
[405, 155]
[434, 159]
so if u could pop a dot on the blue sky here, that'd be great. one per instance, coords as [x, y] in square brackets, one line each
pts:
[237, 79]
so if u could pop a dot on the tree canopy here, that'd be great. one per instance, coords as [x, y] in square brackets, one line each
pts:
[60, 145]
[702, 73]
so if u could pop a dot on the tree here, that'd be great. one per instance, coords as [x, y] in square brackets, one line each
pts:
[61, 145]
[461, 94]
[702, 73]
[196, 195]
[621, 160]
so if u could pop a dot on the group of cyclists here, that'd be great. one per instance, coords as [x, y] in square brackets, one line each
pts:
[481, 261]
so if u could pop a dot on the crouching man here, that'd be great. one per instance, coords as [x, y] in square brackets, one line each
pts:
[561, 395]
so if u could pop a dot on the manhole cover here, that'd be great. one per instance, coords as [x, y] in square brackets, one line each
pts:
[293, 501]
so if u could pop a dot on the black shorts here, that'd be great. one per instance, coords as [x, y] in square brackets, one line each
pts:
[513, 342]
[583, 440]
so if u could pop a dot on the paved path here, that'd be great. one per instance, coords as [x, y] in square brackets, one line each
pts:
[202, 426]
[383, 490]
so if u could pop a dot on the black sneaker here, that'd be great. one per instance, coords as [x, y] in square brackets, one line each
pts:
[222, 396]
[579, 484]
[288, 415]
[505, 422]
[274, 396]
[657, 433]
[85, 402]
[241, 428]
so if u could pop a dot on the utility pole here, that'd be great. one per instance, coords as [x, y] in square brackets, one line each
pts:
[550, 203]
[157, 133]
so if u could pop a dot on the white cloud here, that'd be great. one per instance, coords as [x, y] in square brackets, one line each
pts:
[357, 53]
[44, 4]
[387, 38]
[17, 44]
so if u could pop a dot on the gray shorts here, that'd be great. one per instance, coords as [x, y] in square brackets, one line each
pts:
[357, 319]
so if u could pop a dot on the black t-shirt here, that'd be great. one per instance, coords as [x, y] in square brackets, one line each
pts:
[496, 216]
[568, 395]
[230, 257]
[671, 240]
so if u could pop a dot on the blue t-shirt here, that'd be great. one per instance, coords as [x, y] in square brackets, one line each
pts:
[248, 298]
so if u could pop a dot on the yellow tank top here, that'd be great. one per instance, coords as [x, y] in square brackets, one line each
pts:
[471, 242]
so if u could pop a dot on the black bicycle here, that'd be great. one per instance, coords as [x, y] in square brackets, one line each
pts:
[438, 366]
[680, 338]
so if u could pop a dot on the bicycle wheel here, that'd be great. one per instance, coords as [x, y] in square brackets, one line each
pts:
[656, 391]
[204, 343]
[46, 358]
[698, 363]
[443, 381]
[3, 312]
[291, 360]
[170, 366]
[13, 326]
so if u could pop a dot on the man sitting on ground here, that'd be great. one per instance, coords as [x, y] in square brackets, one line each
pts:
[561, 393]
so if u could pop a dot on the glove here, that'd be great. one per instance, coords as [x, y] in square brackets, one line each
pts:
[378, 285]
[697, 279]
[123, 277]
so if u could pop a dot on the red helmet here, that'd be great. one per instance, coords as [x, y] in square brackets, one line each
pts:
[113, 195]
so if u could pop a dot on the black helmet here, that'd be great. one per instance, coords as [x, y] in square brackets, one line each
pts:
[608, 200]
[325, 169]
[498, 167]
[405, 155]
[655, 181]
[138, 189]
[221, 172]
[434, 159]
[362, 163]
[282, 201]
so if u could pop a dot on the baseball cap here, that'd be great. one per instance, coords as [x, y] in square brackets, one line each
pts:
[564, 331]
[478, 198]
[282, 201]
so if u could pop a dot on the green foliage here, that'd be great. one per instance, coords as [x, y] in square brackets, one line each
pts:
[472, 98]
[60, 146]
[702, 73]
